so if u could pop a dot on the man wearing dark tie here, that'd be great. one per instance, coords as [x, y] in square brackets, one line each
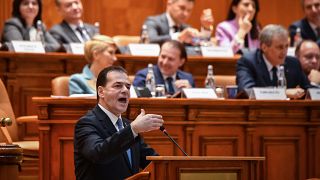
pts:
[166, 72]
[172, 23]
[107, 145]
[260, 68]
[310, 25]
[72, 29]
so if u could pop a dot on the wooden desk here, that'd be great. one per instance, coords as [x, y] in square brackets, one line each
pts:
[29, 74]
[287, 133]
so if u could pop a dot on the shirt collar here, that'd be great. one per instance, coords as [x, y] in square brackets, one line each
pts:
[170, 20]
[173, 77]
[74, 26]
[269, 65]
[112, 117]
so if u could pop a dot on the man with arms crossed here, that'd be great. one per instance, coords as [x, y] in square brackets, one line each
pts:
[172, 23]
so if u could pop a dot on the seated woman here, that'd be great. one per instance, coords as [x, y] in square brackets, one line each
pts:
[23, 24]
[99, 53]
[241, 29]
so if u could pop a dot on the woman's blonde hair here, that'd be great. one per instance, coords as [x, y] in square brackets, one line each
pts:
[98, 43]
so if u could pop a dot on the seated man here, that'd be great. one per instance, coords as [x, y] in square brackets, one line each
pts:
[308, 53]
[106, 145]
[72, 29]
[172, 56]
[310, 25]
[257, 69]
[172, 23]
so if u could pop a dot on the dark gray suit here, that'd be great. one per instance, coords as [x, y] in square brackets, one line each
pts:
[158, 28]
[64, 34]
[100, 151]
[306, 31]
[14, 30]
[252, 72]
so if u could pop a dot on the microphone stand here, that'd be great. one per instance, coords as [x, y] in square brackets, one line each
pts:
[166, 133]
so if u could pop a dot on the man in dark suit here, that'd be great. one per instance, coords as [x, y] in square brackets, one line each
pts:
[261, 67]
[106, 145]
[310, 25]
[166, 72]
[72, 29]
[172, 23]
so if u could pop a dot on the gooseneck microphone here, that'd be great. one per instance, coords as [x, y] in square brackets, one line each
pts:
[166, 133]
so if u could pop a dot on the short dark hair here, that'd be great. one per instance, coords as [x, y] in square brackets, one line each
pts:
[102, 77]
[16, 12]
[177, 45]
[297, 51]
[254, 32]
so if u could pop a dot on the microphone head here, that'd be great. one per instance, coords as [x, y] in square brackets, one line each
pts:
[162, 128]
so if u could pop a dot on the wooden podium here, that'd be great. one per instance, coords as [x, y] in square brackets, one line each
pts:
[204, 167]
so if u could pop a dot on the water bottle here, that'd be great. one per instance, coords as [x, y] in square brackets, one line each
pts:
[297, 37]
[40, 35]
[282, 81]
[97, 26]
[150, 80]
[144, 38]
[209, 82]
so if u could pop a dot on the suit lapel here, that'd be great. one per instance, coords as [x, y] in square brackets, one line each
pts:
[69, 32]
[308, 30]
[165, 22]
[263, 67]
[110, 129]
[158, 75]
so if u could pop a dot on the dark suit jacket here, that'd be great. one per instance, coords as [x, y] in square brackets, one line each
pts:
[306, 31]
[64, 34]
[140, 77]
[14, 30]
[252, 72]
[100, 151]
[158, 28]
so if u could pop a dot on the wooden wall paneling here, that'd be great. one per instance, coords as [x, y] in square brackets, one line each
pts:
[5, 12]
[286, 151]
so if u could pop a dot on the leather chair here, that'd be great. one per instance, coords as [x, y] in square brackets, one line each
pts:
[60, 86]
[30, 147]
[225, 80]
[124, 40]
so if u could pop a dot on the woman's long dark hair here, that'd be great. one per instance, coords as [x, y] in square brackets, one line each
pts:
[16, 12]
[254, 32]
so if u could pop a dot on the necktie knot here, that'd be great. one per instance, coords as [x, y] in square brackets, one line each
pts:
[119, 124]
[82, 32]
[176, 28]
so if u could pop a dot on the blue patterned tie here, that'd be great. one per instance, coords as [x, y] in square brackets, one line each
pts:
[120, 126]
[170, 85]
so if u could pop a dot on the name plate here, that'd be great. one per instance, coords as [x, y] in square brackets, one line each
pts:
[269, 93]
[203, 93]
[144, 49]
[28, 46]
[77, 48]
[212, 51]
[314, 93]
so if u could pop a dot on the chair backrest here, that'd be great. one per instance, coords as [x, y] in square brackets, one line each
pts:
[225, 80]
[60, 86]
[124, 40]
[7, 111]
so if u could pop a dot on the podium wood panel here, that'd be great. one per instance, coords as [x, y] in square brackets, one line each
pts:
[286, 133]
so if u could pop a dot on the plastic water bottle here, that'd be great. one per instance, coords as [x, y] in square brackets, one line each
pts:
[97, 26]
[209, 82]
[150, 80]
[144, 38]
[40, 35]
[282, 81]
[297, 37]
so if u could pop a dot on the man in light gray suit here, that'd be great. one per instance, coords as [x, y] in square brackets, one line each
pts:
[172, 23]
[72, 29]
